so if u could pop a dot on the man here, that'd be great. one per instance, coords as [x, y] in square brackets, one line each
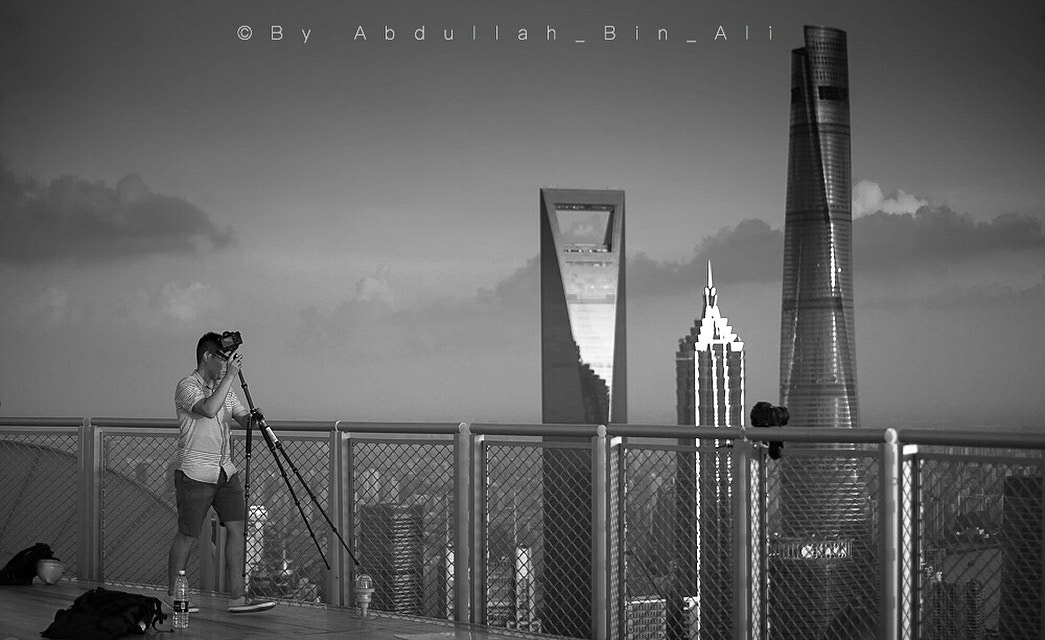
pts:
[204, 474]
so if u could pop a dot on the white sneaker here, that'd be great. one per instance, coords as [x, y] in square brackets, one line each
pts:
[249, 605]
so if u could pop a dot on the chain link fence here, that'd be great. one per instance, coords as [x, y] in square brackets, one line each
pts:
[822, 570]
[137, 494]
[973, 528]
[287, 536]
[39, 473]
[518, 586]
[970, 525]
[404, 526]
[679, 559]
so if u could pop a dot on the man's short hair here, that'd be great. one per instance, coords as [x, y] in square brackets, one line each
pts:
[209, 342]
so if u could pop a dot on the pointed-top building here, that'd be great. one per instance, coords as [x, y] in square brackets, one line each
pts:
[709, 368]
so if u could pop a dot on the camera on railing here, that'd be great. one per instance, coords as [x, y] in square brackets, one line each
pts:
[763, 415]
[229, 342]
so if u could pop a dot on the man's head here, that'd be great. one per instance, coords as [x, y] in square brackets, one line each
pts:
[208, 360]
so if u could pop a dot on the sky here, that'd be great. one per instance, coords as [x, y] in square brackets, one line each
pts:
[362, 204]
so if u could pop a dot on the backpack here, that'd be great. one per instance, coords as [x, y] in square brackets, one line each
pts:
[21, 569]
[101, 614]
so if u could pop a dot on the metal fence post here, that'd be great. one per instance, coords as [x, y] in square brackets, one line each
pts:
[477, 529]
[90, 510]
[915, 509]
[742, 539]
[599, 551]
[347, 512]
[463, 533]
[335, 506]
[891, 524]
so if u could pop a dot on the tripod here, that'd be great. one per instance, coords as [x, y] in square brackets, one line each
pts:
[279, 455]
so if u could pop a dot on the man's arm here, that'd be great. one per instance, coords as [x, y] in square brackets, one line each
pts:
[239, 412]
[211, 405]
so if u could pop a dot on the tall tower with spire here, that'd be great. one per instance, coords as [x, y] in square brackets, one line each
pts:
[818, 516]
[709, 370]
[817, 338]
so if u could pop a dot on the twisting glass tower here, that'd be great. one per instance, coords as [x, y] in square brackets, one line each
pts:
[817, 342]
[819, 516]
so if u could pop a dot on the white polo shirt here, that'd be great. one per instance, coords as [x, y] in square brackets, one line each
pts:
[203, 443]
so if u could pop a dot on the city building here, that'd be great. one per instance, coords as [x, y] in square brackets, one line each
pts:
[1022, 540]
[583, 381]
[817, 341]
[709, 368]
[645, 618]
[390, 538]
[583, 375]
[820, 520]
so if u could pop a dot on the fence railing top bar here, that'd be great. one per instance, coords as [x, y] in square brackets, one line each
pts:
[312, 426]
[681, 432]
[40, 422]
[826, 436]
[170, 423]
[427, 428]
[948, 438]
[525, 429]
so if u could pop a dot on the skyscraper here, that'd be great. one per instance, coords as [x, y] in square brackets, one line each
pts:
[709, 367]
[817, 342]
[821, 537]
[583, 381]
[390, 537]
[583, 377]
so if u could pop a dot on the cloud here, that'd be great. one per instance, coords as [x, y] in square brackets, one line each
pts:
[73, 219]
[172, 304]
[888, 243]
[184, 303]
[997, 296]
[901, 233]
[752, 251]
[51, 307]
[373, 323]
[521, 288]
[868, 198]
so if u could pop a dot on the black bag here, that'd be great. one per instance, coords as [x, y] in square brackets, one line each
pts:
[101, 614]
[21, 569]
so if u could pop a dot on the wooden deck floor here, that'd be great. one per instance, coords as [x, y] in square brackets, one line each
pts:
[25, 611]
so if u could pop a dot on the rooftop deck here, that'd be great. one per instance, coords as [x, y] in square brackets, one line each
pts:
[26, 611]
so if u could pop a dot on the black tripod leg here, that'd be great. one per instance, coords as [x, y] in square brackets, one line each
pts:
[246, 499]
[315, 501]
[286, 480]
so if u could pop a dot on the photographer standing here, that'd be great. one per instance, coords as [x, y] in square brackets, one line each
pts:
[204, 474]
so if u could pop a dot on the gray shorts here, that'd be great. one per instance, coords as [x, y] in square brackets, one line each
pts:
[195, 498]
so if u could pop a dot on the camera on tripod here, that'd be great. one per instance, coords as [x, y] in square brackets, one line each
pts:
[229, 342]
[764, 414]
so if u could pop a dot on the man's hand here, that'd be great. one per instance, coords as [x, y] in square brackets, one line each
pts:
[233, 366]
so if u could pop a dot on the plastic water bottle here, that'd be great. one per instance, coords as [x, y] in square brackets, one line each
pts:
[181, 601]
